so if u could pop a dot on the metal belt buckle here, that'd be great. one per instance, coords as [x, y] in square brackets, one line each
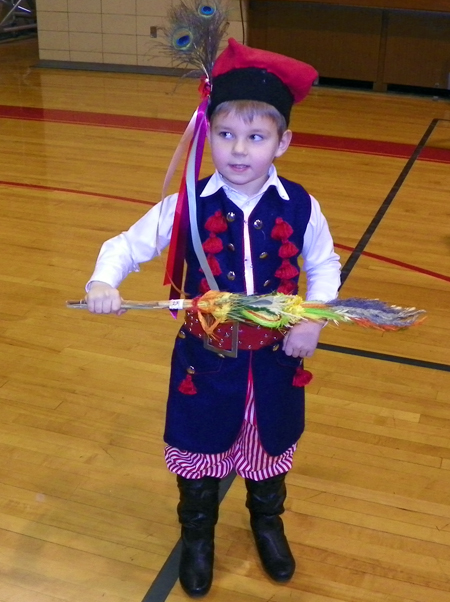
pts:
[208, 342]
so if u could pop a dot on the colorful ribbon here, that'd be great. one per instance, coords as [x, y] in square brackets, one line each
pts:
[186, 207]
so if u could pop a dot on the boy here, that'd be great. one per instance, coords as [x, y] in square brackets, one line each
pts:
[243, 413]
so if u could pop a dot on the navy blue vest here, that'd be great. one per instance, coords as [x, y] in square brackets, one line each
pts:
[210, 421]
[296, 212]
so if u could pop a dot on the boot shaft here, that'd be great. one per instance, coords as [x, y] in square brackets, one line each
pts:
[266, 497]
[197, 512]
[199, 502]
[265, 500]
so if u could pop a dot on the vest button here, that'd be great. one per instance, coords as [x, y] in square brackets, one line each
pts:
[190, 370]
[258, 224]
[275, 347]
[231, 216]
[181, 334]
[231, 246]
[231, 275]
[263, 255]
[266, 283]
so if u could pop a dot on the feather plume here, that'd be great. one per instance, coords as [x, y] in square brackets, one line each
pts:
[194, 31]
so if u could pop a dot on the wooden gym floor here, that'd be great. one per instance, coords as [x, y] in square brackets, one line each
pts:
[87, 507]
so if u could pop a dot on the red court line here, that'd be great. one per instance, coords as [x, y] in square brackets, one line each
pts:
[83, 192]
[370, 147]
[354, 145]
[407, 266]
[400, 264]
[172, 126]
[436, 155]
[127, 122]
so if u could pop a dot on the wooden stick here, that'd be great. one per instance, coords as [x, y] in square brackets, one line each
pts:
[173, 304]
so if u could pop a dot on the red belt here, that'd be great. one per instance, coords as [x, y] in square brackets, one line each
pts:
[246, 337]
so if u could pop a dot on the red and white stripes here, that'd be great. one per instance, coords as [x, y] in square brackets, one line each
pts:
[246, 456]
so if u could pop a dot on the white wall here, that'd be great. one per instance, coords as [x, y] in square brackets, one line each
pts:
[110, 31]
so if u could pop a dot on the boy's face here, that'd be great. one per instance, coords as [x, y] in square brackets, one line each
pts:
[243, 152]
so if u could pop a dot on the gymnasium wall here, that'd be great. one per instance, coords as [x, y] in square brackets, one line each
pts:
[110, 31]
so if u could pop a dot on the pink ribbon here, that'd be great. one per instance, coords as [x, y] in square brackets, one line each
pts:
[183, 216]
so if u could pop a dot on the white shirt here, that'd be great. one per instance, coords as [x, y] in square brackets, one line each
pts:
[121, 255]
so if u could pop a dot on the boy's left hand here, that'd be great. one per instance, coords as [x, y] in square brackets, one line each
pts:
[301, 340]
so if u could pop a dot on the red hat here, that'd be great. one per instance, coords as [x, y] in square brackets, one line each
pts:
[244, 73]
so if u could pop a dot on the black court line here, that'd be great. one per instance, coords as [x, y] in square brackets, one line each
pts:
[168, 575]
[362, 244]
[386, 357]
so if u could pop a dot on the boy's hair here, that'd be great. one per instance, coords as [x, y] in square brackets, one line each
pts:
[249, 109]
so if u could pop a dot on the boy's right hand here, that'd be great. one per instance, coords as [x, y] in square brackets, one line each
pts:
[102, 298]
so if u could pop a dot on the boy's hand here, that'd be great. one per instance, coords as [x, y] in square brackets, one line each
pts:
[102, 298]
[301, 340]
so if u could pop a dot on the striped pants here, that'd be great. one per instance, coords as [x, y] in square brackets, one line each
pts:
[246, 456]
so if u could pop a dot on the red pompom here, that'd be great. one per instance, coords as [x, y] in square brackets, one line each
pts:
[282, 230]
[213, 244]
[302, 377]
[187, 386]
[204, 286]
[286, 271]
[214, 265]
[287, 287]
[216, 223]
[287, 249]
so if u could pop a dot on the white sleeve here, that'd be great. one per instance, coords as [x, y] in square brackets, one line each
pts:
[121, 255]
[320, 262]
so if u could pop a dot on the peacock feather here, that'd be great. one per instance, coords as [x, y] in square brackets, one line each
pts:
[193, 33]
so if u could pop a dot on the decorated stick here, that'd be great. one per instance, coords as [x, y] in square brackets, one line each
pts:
[283, 311]
[170, 304]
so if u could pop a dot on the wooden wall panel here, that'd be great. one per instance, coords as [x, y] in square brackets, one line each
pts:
[426, 5]
[339, 42]
[406, 47]
[418, 50]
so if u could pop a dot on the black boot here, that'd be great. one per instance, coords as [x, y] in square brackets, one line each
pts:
[265, 501]
[197, 512]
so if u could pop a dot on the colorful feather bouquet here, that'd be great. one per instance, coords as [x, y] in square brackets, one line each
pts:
[283, 311]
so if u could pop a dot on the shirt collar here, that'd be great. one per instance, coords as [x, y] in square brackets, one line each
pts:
[216, 182]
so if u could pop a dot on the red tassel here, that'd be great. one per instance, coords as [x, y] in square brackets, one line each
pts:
[204, 286]
[187, 386]
[216, 223]
[213, 244]
[302, 377]
[282, 230]
[287, 249]
[287, 287]
[286, 271]
[214, 265]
